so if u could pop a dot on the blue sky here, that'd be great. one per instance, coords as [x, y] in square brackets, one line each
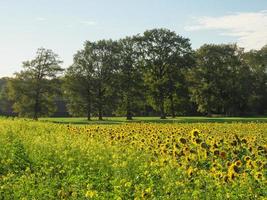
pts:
[64, 25]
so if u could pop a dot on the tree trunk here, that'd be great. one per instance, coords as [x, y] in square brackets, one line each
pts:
[89, 111]
[128, 94]
[129, 116]
[36, 107]
[100, 106]
[100, 112]
[162, 112]
[100, 117]
[35, 117]
[172, 106]
[128, 109]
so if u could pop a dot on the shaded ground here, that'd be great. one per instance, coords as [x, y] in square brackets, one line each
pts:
[119, 120]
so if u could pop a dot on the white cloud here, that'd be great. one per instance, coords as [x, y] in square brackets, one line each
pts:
[88, 23]
[249, 28]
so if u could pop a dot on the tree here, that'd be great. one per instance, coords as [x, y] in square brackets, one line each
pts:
[5, 104]
[105, 64]
[89, 82]
[179, 65]
[164, 54]
[257, 61]
[129, 75]
[78, 83]
[220, 81]
[34, 88]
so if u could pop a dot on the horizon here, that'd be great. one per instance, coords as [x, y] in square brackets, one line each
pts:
[29, 25]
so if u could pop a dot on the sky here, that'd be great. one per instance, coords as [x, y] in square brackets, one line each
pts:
[64, 25]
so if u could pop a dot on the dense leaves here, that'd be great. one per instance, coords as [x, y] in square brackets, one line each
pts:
[154, 73]
[220, 80]
[33, 90]
[164, 55]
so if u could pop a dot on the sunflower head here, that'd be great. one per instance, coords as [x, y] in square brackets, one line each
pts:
[238, 163]
[195, 133]
[258, 176]
[246, 158]
[183, 140]
[223, 154]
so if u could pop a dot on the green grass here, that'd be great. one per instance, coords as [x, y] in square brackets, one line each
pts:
[120, 120]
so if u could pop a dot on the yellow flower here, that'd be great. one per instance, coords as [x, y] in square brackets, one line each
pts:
[146, 193]
[195, 133]
[91, 194]
[183, 140]
[259, 176]
[190, 171]
[238, 163]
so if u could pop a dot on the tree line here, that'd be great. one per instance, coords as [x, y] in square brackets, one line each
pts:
[154, 73]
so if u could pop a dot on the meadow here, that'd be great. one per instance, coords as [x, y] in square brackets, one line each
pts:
[54, 159]
[183, 119]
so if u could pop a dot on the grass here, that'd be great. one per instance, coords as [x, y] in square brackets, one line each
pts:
[121, 120]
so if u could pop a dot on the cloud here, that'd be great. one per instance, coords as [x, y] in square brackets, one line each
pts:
[88, 23]
[249, 28]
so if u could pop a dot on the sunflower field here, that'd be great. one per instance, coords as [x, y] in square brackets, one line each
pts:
[41, 160]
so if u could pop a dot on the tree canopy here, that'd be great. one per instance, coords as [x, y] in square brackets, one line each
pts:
[154, 73]
[33, 89]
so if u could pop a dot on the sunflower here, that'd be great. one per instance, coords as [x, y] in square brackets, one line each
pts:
[183, 140]
[216, 152]
[246, 158]
[190, 171]
[238, 163]
[223, 154]
[258, 176]
[195, 133]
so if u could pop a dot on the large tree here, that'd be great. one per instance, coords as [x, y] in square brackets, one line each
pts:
[78, 84]
[89, 82]
[220, 83]
[34, 88]
[129, 76]
[257, 61]
[164, 54]
[105, 65]
[5, 104]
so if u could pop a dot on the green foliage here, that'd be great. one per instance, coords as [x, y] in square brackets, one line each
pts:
[130, 81]
[5, 104]
[33, 89]
[89, 80]
[164, 55]
[105, 58]
[78, 84]
[220, 83]
[156, 73]
[257, 61]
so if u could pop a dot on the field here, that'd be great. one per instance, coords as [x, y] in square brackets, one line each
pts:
[120, 120]
[45, 160]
